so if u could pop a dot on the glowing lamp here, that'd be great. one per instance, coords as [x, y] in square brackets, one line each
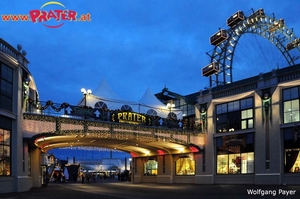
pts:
[160, 152]
[194, 149]
[134, 155]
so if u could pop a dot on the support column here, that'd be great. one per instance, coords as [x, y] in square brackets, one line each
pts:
[165, 169]
[36, 168]
[137, 169]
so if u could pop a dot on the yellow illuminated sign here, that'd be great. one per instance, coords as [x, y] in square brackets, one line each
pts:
[130, 117]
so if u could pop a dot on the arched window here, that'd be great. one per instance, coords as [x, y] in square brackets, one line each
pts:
[104, 114]
[172, 115]
[126, 108]
[151, 112]
[100, 105]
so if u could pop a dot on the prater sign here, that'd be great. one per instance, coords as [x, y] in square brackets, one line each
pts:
[130, 118]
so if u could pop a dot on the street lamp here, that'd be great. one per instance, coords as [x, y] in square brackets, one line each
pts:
[130, 170]
[130, 159]
[170, 105]
[85, 93]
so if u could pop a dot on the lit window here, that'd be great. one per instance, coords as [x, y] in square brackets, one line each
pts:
[235, 115]
[185, 166]
[292, 160]
[150, 167]
[235, 154]
[291, 149]
[247, 119]
[5, 148]
[291, 111]
[291, 105]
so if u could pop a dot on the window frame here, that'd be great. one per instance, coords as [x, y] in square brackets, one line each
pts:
[229, 115]
[242, 145]
[5, 127]
[151, 169]
[6, 87]
[291, 146]
[290, 110]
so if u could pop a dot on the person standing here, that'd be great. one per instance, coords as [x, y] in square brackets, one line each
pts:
[74, 177]
[82, 177]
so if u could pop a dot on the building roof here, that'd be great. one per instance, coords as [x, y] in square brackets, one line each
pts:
[103, 90]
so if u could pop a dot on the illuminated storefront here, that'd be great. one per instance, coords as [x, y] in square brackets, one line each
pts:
[291, 139]
[150, 167]
[185, 166]
[252, 129]
[235, 154]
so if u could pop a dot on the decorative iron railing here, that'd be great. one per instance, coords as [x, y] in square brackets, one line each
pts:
[65, 110]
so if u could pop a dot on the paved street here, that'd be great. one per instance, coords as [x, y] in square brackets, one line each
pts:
[126, 190]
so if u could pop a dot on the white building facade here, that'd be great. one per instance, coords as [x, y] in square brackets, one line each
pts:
[252, 130]
[16, 84]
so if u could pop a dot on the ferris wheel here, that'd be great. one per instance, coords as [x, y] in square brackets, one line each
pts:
[225, 41]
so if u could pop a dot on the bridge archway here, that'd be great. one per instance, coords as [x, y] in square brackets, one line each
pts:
[139, 141]
[143, 143]
[136, 148]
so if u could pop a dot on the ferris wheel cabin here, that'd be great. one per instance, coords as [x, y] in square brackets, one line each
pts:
[211, 69]
[255, 16]
[235, 19]
[219, 37]
[293, 44]
[276, 25]
[258, 13]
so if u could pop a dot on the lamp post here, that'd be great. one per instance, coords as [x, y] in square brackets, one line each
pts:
[170, 105]
[130, 159]
[85, 93]
[130, 170]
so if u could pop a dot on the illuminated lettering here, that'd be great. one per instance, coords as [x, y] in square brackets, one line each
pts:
[124, 116]
[131, 117]
[119, 116]
[138, 118]
[134, 116]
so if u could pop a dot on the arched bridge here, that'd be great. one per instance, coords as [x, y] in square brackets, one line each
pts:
[48, 132]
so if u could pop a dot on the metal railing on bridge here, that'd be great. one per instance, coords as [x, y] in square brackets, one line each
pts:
[66, 110]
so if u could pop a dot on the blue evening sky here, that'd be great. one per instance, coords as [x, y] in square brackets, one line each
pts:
[136, 44]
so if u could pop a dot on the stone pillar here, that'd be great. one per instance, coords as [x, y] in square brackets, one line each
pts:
[165, 169]
[36, 168]
[137, 169]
